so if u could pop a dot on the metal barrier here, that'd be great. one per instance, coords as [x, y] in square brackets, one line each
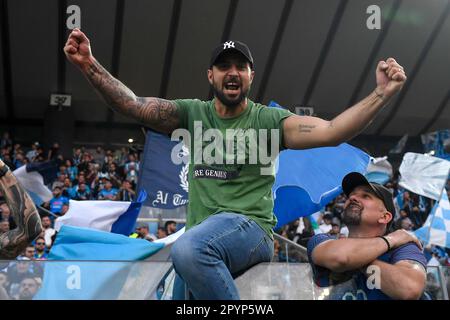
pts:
[289, 251]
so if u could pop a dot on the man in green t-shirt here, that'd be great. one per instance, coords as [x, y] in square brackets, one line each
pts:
[233, 142]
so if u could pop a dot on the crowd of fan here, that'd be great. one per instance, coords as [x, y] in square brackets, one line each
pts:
[112, 175]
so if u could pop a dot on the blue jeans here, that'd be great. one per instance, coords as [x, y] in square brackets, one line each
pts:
[210, 255]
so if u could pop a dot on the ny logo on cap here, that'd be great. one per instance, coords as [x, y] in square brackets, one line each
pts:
[229, 44]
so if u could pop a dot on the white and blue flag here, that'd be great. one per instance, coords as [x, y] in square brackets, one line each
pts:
[436, 229]
[110, 216]
[35, 177]
[423, 174]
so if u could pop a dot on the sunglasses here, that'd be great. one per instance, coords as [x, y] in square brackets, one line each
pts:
[40, 243]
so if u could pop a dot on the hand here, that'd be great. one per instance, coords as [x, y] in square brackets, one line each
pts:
[390, 78]
[78, 48]
[401, 237]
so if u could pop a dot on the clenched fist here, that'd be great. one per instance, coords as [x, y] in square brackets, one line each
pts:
[78, 48]
[390, 78]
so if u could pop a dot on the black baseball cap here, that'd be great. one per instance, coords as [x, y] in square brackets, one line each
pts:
[231, 45]
[355, 179]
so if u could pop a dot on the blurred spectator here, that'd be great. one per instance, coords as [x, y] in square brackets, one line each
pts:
[6, 140]
[77, 156]
[406, 224]
[48, 230]
[114, 174]
[59, 182]
[19, 159]
[41, 253]
[29, 252]
[99, 155]
[335, 230]
[171, 227]
[83, 192]
[161, 233]
[57, 202]
[122, 156]
[85, 161]
[17, 271]
[64, 209]
[72, 170]
[290, 230]
[54, 152]
[40, 157]
[67, 190]
[108, 192]
[4, 283]
[303, 232]
[5, 214]
[4, 226]
[126, 192]
[132, 169]
[32, 154]
[143, 232]
[28, 288]
[324, 222]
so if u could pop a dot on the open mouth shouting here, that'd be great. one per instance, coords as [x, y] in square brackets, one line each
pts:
[232, 87]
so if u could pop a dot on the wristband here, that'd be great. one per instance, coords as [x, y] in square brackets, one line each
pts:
[387, 242]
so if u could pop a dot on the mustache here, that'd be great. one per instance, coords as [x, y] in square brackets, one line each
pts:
[234, 79]
[354, 203]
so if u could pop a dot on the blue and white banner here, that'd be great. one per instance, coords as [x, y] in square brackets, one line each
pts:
[165, 182]
[110, 216]
[35, 177]
[423, 174]
[436, 229]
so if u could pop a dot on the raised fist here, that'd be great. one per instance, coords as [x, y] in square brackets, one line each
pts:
[78, 48]
[390, 78]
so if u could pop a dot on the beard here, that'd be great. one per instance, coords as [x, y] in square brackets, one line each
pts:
[352, 215]
[231, 103]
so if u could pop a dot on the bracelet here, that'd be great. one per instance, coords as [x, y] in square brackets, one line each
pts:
[387, 242]
[4, 170]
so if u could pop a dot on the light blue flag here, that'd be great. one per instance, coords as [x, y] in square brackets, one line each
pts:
[309, 179]
[436, 229]
[87, 280]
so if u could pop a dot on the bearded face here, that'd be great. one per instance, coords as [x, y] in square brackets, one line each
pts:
[352, 214]
[230, 79]
[230, 92]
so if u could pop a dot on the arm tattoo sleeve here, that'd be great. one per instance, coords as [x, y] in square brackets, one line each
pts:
[25, 215]
[158, 114]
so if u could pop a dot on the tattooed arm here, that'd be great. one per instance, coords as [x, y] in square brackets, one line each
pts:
[24, 213]
[309, 132]
[158, 114]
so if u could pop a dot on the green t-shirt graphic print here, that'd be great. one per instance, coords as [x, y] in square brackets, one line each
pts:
[226, 164]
